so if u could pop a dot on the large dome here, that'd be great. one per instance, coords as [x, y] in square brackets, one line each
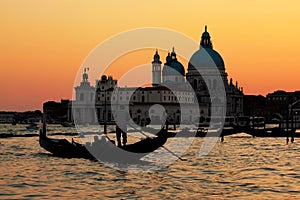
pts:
[206, 58]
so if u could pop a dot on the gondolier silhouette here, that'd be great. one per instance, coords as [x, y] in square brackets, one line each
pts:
[121, 126]
[121, 131]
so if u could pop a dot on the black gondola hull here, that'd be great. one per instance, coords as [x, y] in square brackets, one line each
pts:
[103, 150]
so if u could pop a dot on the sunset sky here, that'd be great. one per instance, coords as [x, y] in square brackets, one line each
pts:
[43, 43]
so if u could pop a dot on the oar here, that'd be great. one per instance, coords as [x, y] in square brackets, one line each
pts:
[173, 153]
[161, 146]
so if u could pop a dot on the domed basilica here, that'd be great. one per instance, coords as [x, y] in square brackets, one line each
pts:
[202, 64]
[169, 87]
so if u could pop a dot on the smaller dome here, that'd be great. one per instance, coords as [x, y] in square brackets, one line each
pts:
[156, 58]
[169, 83]
[173, 68]
[103, 77]
[172, 65]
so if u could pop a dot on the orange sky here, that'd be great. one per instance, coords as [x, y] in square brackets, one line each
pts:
[43, 43]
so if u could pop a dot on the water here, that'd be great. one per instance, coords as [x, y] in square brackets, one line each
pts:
[241, 167]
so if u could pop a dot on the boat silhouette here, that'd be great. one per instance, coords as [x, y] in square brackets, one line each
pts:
[102, 149]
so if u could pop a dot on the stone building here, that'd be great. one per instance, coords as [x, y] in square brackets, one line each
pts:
[211, 66]
[56, 112]
[7, 117]
[185, 96]
[142, 103]
[82, 109]
[277, 104]
[254, 105]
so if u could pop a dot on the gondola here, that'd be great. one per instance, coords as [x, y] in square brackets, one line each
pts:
[105, 150]
[273, 132]
[225, 131]
[102, 149]
[63, 148]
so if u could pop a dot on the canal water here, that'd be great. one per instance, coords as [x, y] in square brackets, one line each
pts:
[241, 167]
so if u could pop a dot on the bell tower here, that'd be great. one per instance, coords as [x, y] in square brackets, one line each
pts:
[156, 69]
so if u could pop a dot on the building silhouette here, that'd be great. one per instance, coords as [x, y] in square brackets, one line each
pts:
[277, 105]
[254, 105]
[204, 61]
[56, 112]
[172, 88]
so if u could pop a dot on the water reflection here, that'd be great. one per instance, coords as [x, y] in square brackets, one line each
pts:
[241, 167]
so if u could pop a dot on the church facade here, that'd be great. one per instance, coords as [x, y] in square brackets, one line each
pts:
[199, 62]
[172, 88]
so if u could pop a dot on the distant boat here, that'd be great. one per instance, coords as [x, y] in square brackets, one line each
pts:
[32, 127]
[257, 122]
[67, 124]
[272, 132]
[106, 149]
[217, 132]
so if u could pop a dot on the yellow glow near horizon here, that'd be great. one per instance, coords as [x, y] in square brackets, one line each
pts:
[43, 43]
